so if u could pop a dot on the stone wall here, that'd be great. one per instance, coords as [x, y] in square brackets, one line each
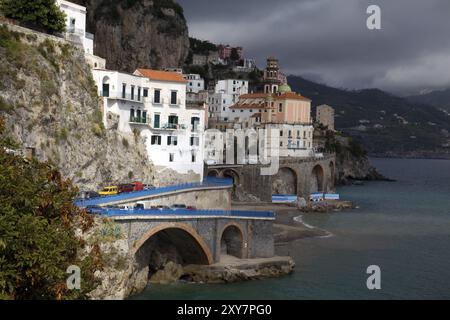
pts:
[202, 200]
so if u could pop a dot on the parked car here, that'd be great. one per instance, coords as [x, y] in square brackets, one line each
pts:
[148, 187]
[84, 195]
[109, 191]
[124, 188]
[139, 206]
[162, 207]
[191, 208]
[138, 186]
[178, 206]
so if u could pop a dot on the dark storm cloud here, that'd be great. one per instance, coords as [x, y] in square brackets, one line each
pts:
[328, 40]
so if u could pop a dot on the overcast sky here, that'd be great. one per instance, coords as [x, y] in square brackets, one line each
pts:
[328, 41]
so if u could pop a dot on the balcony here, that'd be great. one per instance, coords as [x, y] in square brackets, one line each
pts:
[140, 121]
[121, 96]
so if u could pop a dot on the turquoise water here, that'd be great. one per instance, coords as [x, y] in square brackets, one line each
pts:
[403, 227]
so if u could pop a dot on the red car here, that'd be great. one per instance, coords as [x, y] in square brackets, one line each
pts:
[138, 186]
[124, 188]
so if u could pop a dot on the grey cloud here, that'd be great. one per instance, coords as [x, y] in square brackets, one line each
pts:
[329, 38]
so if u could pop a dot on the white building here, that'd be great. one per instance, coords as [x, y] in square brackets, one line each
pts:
[195, 83]
[226, 94]
[153, 103]
[76, 31]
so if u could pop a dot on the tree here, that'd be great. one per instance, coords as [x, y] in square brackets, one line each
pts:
[40, 14]
[234, 56]
[37, 230]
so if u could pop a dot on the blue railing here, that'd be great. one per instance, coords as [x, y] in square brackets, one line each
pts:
[207, 182]
[113, 212]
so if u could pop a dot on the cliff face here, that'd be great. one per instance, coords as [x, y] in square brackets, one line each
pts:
[49, 102]
[138, 33]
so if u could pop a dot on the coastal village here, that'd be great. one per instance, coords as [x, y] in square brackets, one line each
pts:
[219, 214]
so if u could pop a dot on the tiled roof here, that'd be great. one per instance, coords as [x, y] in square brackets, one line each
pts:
[290, 95]
[162, 75]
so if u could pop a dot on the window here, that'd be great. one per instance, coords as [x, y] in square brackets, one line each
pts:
[132, 92]
[193, 157]
[304, 134]
[157, 97]
[139, 94]
[280, 108]
[132, 115]
[145, 93]
[156, 140]
[144, 117]
[281, 144]
[172, 140]
[156, 121]
[124, 91]
[195, 141]
[290, 134]
[281, 133]
[173, 97]
[171, 157]
[173, 122]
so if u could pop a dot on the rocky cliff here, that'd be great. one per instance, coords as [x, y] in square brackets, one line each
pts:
[49, 102]
[138, 33]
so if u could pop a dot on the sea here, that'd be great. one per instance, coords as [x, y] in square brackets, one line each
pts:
[402, 227]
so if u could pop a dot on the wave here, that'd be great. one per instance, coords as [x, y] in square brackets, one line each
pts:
[299, 219]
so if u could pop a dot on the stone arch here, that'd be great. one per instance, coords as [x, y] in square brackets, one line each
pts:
[213, 173]
[233, 174]
[232, 240]
[317, 179]
[175, 232]
[285, 181]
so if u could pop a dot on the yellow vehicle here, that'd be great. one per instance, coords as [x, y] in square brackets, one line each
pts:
[109, 191]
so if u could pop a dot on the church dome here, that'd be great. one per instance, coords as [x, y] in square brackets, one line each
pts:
[284, 88]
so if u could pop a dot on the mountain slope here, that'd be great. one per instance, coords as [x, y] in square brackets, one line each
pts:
[385, 124]
[133, 34]
[438, 99]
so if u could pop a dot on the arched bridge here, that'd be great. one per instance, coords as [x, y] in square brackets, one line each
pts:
[198, 236]
[299, 176]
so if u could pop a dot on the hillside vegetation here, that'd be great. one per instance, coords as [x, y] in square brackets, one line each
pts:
[383, 123]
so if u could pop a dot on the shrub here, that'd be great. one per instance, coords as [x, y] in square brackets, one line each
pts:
[38, 222]
[40, 14]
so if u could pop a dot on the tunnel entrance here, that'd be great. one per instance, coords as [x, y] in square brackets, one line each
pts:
[180, 246]
[232, 242]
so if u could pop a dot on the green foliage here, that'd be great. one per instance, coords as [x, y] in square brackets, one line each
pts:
[201, 47]
[5, 106]
[37, 231]
[109, 232]
[40, 14]
[356, 149]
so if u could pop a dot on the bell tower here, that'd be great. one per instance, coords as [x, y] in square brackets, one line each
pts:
[271, 79]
